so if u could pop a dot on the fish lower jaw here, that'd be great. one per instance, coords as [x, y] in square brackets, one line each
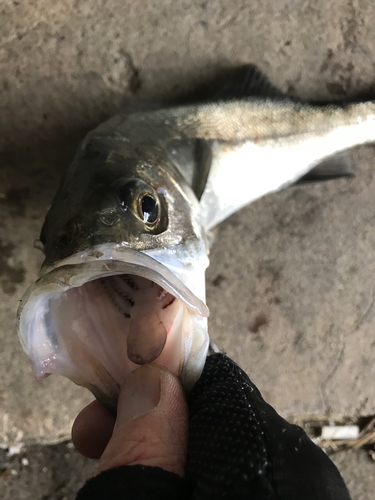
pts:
[97, 333]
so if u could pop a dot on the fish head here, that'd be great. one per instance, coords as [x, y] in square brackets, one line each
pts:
[113, 193]
[123, 282]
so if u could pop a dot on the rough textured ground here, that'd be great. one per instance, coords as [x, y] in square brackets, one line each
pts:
[290, 287]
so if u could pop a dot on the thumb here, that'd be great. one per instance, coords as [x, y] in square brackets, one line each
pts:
[152, 423]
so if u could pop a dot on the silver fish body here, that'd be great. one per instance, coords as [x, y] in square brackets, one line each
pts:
[126, 238]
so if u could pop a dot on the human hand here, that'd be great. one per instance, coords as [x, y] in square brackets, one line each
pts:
[151, 427]
[238, 446]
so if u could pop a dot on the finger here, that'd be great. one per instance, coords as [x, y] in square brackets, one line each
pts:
[92, 430]
[152, 423]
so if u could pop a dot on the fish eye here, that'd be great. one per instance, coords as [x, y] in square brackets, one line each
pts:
[148, 209]
[141, 200]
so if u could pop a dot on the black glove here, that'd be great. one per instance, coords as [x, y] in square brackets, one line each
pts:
[239, 448]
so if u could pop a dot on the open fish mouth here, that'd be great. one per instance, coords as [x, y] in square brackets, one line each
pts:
[96, 321]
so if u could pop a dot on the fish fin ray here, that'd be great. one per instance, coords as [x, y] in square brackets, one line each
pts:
[248, 81]
[333, 167]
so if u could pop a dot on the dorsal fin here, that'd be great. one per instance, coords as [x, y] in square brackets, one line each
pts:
[248, 81]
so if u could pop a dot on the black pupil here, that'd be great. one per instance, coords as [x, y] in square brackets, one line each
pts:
[149, 209]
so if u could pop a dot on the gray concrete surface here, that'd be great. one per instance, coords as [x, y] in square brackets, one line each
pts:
[290, 286]
[54, 472]
[358, 470]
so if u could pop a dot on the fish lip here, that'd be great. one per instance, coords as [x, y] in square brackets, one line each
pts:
[114, 259]
[67, 274]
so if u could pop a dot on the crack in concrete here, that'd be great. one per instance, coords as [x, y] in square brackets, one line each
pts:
[367, 311]
[329, 376]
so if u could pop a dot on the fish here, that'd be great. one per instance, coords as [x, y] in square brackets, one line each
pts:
[128, 234]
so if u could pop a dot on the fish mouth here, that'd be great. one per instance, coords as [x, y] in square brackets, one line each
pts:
[96, 321]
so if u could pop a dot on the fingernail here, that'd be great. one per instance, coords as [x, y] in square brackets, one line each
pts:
[139, 395]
